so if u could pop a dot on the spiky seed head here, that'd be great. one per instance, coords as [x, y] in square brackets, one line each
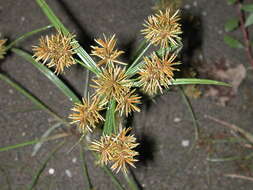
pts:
[87, 114]
[157, 73]
[106, 52]
[104, 147]
[57, 50]
[112, 83]
[116, 149]
[2, 48]
[128, 103]
[163, 28]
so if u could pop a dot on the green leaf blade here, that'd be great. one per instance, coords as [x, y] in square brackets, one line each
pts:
[231, 42]
[231, 2]
[249, 20]
[184, 81]
[231, 24]
[248, 7]
[50, 75]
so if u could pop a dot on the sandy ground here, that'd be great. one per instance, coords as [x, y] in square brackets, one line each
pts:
[163, 126]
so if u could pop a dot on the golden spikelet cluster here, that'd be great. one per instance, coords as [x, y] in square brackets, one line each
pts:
[113, 83]
[2, 48]
[57, 49]
[106, 52]
[87, 115]
[157, 73]
[163, 28]
[128, 103]
[116, 150]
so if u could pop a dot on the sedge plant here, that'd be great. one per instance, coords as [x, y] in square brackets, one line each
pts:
[115, 83]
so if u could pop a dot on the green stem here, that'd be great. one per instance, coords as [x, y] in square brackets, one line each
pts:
[85, 168]
[26, 35]
[194, 119]
[20, 145]
[113, 178]
[132, 69]
[132, 184]
[108, 171]
[110, 123]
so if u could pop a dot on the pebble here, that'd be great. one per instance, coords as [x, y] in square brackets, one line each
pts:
[204, 13]
[74, 160]
[185, 143]
[187, 6]
[10, 91]
[195, 3]
[68, 173]
[51, 171]
[177, 119]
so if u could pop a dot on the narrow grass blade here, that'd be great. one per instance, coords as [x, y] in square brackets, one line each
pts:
[86, 175]
[49, 74]
[244, 133]
[228, 140]
[133, 67]
[138, 50]
[137, 63]
[45, 135]
[233, 158]
[193, 115]
[27, 143]
[26, 35]
[239, 177]
[183, 81]
[32, 98]
[110, 124]
[43, 166]
[52, 17]
[59, 26]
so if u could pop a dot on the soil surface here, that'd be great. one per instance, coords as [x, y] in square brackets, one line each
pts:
[164, 127]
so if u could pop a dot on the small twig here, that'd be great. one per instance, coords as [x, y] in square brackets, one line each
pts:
[246, 134]
[239, 176]
[245, 32]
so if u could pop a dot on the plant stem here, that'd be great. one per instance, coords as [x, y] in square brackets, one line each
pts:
[20, 145]
[131, 182]
[109, 172]
[189, 106]
[85, 168]
[245, 32]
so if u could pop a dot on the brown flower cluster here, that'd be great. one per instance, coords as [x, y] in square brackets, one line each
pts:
[57, 50]
[87, 114]
[2, 48]
[113, 83]
[157, 73]
[106, 51]
[163, 28]
[116, 150]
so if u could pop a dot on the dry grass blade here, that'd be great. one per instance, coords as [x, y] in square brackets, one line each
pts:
[246, 134]
[239, 177]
